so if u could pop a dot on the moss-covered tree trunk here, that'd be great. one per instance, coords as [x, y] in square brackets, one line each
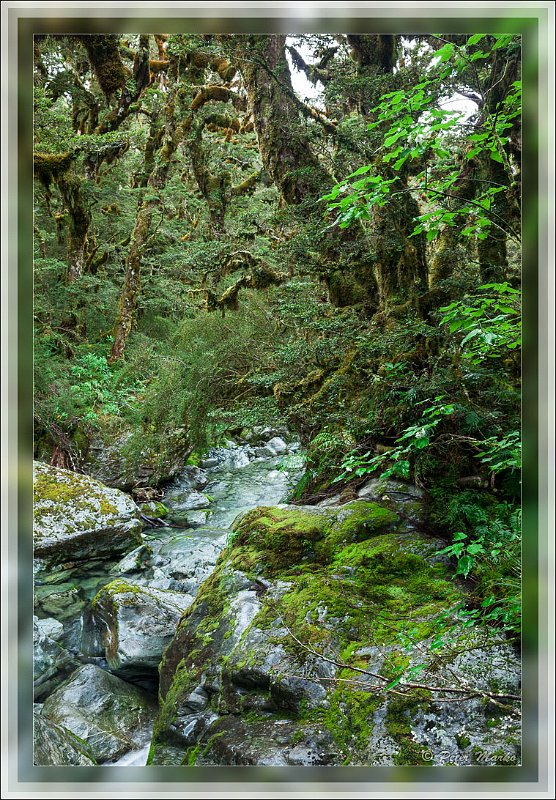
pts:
[215, 187]
[150, 203]
[78, 226]
[400, 265]
[374, 55]
[505, 210]
[285, 152]
[153, 145]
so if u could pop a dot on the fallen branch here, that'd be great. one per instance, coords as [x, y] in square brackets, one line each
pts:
[471, 692]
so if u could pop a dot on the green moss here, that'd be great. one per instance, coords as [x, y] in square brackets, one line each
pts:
[107, 508]
[53, 492]
[286, 537]
[348, 583]
[462, 741]
[349, 717]
[155, 509]
[399, 715]
[46, 487]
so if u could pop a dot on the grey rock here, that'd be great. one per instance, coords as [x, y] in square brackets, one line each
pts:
[57, 746]
[197, 700]
[136, 561]
[110, 461]
[188, 501]
[191, 519]
[136, 624]
[264, 452]
[76, 517]
[51, 661]
[278, 445]
[110, 715]
[63, 601]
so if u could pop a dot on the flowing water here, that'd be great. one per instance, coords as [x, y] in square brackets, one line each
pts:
[183, 557]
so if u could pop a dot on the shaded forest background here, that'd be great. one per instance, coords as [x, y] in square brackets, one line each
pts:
[215, 252]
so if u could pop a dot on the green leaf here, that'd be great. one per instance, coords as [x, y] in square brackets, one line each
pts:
[361, 170]
[390, 140]
[464, 566]
[475, 38]
[394, 682]
[445, 52]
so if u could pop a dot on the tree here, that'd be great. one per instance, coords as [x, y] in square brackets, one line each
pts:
[477, 192]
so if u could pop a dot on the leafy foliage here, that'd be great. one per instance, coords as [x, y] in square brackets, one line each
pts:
[421, 385]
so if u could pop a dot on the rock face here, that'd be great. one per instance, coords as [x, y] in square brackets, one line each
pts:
[56, 746]
[286, 653]
[111, 715]
[76, 517]
[51, 660]
[110, 459]
[403, 498]
[136, 624]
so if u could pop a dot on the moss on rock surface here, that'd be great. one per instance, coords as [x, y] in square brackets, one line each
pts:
[76, 517]
[135, 624]
[308, 616]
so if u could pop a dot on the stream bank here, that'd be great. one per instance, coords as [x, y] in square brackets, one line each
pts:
[100, 616]
[270, 634]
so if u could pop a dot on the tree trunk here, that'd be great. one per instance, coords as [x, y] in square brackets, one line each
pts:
[400, 267]
[79, 223]
[141, 232]
[492, 251]
[215, 188]
[283, 145]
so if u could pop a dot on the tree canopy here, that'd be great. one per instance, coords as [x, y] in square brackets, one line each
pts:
[213, 250]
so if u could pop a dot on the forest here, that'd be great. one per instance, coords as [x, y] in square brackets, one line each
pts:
[277, 399]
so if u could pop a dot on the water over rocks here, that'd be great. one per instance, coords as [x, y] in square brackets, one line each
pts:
[274, 638]
[117, 614]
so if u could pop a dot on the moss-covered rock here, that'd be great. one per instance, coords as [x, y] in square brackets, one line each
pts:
[55, 745]
[75, 517]
[126, 459]
[107, 713]
[308, 616]
[154, 509]
[135, 624]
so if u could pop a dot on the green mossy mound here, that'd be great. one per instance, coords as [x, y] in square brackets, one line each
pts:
[300, 600]
[76, 517]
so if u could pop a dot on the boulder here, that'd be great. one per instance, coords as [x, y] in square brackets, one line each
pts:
[287, 653]
[110, 715]
[264, 452]
[404, 498]
[75, 517]
[51, 661]
[154, 509]
[57, 746]
[136, 624]
[187, 501]
[63, 601]
[277, 445]
[115, 459]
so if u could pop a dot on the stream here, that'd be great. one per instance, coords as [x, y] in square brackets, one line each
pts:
[175, 560]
